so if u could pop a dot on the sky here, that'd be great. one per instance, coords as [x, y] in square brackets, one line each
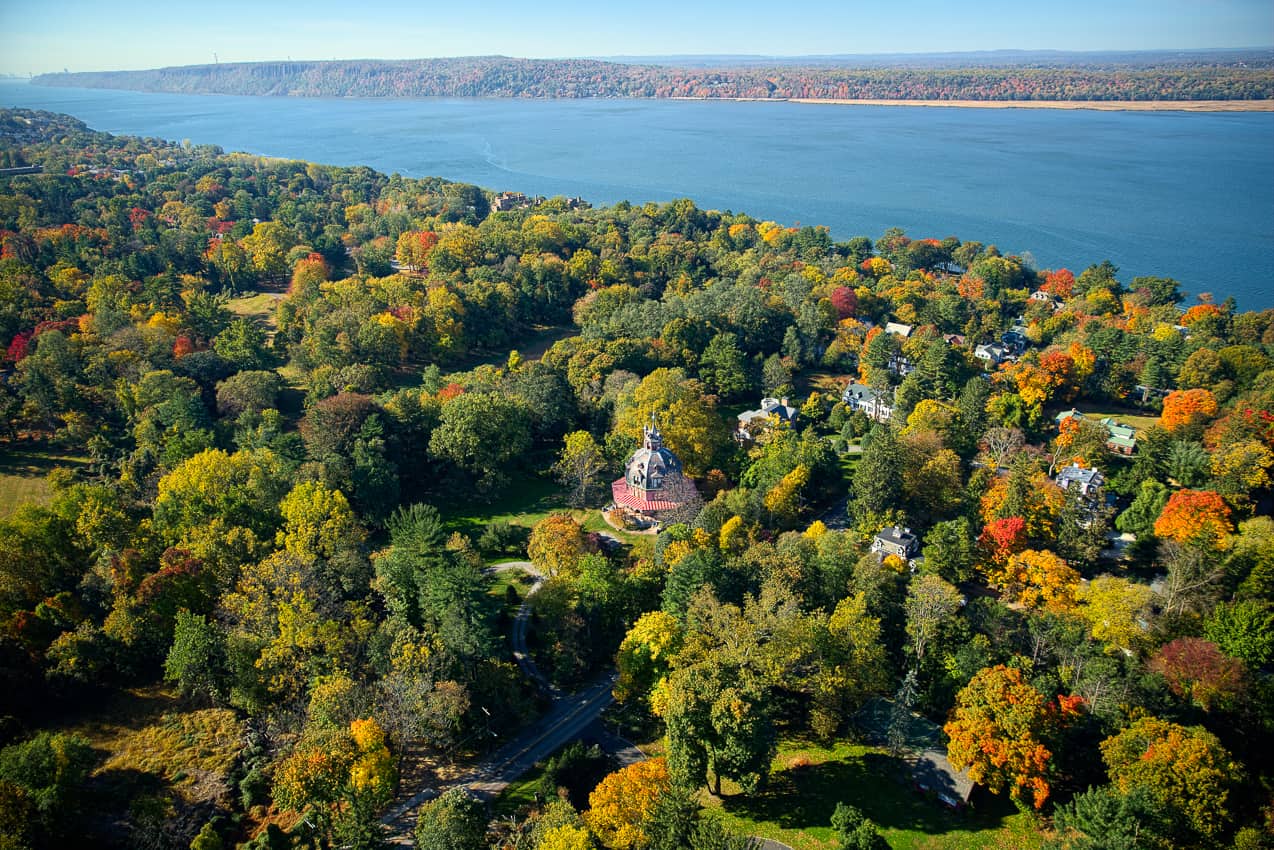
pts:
[87, 35]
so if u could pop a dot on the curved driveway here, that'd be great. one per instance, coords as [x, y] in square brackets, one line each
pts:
[569, 716]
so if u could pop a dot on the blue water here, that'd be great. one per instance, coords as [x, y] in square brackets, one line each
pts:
[1185, 195]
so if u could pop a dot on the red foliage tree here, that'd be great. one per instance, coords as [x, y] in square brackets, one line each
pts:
[1197, 670]
[1003, 538]
[18, 347]
[844, 301]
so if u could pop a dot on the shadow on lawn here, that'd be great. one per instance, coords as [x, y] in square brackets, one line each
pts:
[34, 463]
[803, 798]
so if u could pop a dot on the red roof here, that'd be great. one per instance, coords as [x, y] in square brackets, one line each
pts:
[639, 500]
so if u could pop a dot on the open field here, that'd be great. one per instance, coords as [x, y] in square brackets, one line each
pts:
[809, 780]
[22, 475]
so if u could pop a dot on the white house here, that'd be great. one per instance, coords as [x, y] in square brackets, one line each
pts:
[876, 405]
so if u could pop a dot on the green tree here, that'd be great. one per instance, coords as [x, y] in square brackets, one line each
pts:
[454, 821]
[579, 464]
[482, 434]
[855, 830]
[1243, 629]
[1104, 819]
[718, 726]
[51, 770]
[877, 487]
[1139, 518]
[723, 367]
[196, 660]
[244, 343]
[950, 550]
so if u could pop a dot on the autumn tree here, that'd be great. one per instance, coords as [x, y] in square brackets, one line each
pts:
[646, 654]
[557, 543]
[1196, 670]
[686, 414]
[995, 731]
[1195, 517]
[1186, 411]
[579, 464]
[1116, 610]
[1184, 768]
[623, 800]
[1037, 579]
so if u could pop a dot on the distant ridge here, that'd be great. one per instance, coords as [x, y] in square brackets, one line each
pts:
[999, 76]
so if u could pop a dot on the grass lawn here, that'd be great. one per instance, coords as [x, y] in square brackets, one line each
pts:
[809, 780]
[524, 502]
[256, 305]
[1138, 420]
[22, 475]
[519, 794]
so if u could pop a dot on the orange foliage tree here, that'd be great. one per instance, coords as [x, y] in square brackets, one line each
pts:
[1200, 311]
[1060, 283]
[995, 732]
[1185, 408]
[1195, 516]
[1003, 538]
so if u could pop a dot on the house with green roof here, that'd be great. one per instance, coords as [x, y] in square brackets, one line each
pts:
[1120, 438]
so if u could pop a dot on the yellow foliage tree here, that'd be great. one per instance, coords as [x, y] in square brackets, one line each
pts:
[556, 545]
[566, 837]
[1037, 579]
[646, 653]
[784, 499]
[624, 799]
[1114, 609]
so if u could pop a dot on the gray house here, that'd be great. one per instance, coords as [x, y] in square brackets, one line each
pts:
[752, 422]
[1080, 481]
[896, 541]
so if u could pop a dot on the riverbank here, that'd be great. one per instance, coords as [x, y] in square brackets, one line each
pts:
[1098, 105]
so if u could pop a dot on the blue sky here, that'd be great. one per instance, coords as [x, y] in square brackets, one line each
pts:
[89, 35]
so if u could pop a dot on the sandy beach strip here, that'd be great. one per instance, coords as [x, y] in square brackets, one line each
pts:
[1100, 105]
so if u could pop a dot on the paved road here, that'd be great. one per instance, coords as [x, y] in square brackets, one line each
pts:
[567, 720]
[522, 621]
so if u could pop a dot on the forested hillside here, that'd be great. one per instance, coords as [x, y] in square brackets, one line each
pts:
[498, 76]
[294, 413]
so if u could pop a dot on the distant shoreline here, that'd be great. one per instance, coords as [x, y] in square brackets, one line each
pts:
[1098, 105]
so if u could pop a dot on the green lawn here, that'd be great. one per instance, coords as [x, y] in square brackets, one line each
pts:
[22, 475]
[519, 794]
[256, 305]
[524, 502]
[1138, 420]
[809, 780]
